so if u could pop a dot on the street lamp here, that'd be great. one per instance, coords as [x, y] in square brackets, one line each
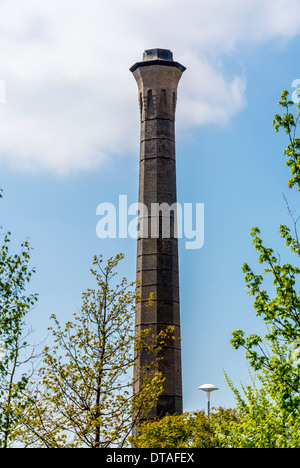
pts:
[208, 388]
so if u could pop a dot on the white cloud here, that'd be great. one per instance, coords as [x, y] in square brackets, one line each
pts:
[71, 102]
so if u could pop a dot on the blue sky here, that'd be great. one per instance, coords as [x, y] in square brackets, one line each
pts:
[69, 140]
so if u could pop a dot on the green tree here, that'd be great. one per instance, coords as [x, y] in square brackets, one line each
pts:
[262, 422]
[289, 122]
[187, 430]
[274, 357]
[15, 273]
[85, 396]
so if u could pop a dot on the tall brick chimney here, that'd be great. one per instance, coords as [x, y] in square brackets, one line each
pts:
[157, 78]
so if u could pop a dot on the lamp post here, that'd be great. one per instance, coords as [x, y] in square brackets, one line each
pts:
[208, 388]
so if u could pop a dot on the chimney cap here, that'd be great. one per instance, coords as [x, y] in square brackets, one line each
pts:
[158, 57]
[158, 54]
